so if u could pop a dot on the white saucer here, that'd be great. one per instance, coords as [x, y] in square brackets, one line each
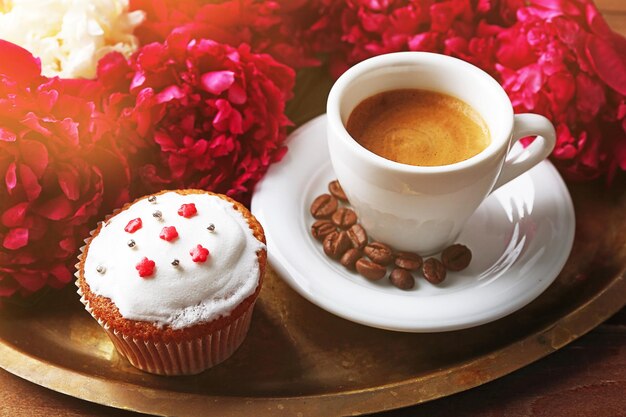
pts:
[520, 237]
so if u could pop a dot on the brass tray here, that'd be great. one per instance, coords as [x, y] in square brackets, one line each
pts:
[299, 360]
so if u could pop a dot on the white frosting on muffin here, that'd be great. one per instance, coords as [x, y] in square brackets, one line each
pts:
[179, 291]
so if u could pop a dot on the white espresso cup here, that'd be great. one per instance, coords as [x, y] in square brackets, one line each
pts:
[423, 209]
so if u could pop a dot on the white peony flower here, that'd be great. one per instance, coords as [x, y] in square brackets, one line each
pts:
[70, 36]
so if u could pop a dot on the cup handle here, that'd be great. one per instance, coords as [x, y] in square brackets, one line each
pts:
[528, 124]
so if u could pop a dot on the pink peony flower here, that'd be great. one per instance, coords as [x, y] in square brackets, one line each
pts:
[56, 174]
[354, 30]
[197, 114]
[561, 60]
[272, 27]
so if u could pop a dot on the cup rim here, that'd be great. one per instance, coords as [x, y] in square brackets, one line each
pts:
[411, 57]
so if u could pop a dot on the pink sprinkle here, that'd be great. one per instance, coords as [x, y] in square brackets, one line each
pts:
[145, 267]
[187, 210]
[199, 254]
[168, 233]
[133, 225]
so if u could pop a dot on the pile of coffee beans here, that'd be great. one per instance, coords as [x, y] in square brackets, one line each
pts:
[345, 240]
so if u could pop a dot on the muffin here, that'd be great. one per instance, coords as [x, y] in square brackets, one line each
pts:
[173, 278]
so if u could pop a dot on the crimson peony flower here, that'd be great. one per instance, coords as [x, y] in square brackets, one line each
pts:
[273, 27]
[561, 60]
[197, 114]
[354, 30]
[55, 174]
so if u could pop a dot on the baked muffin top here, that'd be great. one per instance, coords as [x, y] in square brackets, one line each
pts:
[174, 259]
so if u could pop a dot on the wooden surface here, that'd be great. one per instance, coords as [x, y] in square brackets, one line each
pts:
[585, 378]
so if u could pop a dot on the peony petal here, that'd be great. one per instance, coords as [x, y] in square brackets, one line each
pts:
[29, 181]
[235, 124]
[442, 15]
[10, 178]
[31, 281]
[216, 82]
[35, 155]
[69, 182]
[563, 87]
[590, 96]
[222, 145]
[7, 136]
[420, 42]
[237, 95]
[18, 64]
[220, 121]
[62, 274]
[69, 129]
[144, 118]
[164, 140]
[199, 148]
[23, 257]
[14, 216]
[68, 244]
[32, 121]
[47, 99]
[178, 165]
[170, 93]
[152, 56]
[178, 40]
[138, 80]
[55, 209]
[113, 70]
[74, 110]
[561, 6]
[608, 62]
[89, 207]
[16, 238]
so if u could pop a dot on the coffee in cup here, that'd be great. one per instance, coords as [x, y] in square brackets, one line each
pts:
[419, 208]
[418, 127]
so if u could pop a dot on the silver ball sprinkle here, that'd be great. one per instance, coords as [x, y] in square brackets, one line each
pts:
[175, 262]
[131, 243]
[157, 214]
[211, 227]
[100, 269]
[152, 199]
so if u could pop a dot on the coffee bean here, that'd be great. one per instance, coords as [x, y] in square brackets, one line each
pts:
[370, 270]
[408, 260]
[456, 257]
[323, 206]
[402, 279]
[322, 228]
[336, 244]
[379, 253]
[434, 271]
[344, 217]
[358, 236]
[350, 257]
[335, 189]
